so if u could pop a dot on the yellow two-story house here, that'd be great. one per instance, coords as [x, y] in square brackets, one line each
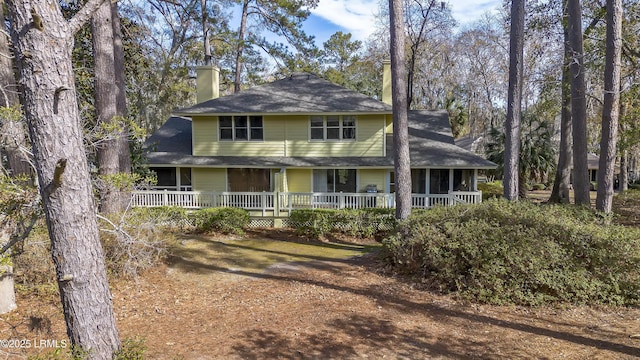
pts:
[310, 139]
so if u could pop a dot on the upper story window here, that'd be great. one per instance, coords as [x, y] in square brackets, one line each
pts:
[241, 128]
[333, 127]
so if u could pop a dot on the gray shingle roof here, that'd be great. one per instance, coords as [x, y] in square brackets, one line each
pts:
[430, 138]
[174, 137]
[431, 143]
[299, 93]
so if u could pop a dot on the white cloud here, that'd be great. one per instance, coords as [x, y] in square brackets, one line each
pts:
[354, 16]
[358, 16]
[468, 11]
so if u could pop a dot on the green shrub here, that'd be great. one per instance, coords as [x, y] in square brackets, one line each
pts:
[364, 223]
[173, 217]
[626, 206]
[491, 190]
[223, 220]
[634, 186]
[312, 222]
[631, 196]
[131, 349]
[504, 252]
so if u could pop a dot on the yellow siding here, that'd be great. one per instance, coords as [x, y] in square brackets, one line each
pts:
[209, 179]
[299, 180]
[289, 136]
[389, 124]
[205, 131]
[274, 128]
[369, 141]
[205, 136]
[372, 176]
[245, 148]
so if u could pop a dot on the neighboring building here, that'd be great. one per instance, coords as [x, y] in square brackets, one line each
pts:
[593, 164]
[305, 136]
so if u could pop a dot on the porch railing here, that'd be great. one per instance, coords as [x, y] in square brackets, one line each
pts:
[288, 201]
[263, 201]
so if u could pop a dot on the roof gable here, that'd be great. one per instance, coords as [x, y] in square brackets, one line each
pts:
[299, 93]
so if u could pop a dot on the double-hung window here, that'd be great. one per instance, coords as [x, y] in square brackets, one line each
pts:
[241, 128]
[332, 127]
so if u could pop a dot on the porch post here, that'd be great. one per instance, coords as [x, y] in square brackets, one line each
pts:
[427, 189]
[178, 185]
[450, 199]
[475, 179]
[276, 192]
[450, 180]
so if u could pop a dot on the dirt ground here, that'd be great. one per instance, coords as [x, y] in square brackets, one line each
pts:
[324, 309]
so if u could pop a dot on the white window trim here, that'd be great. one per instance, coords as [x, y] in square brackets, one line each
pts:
[233, 129]
[341, 129]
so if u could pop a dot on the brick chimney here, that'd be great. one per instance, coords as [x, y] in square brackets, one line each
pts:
[386, 82]
[207, 83]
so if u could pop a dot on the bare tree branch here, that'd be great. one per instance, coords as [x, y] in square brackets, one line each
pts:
[23, 234]
[82, 16]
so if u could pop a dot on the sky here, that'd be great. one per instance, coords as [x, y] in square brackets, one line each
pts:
[358, 16]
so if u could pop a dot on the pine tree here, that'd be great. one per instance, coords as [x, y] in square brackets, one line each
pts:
[45, 39]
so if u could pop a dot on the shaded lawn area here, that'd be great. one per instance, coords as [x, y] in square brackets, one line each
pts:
[273, 295]
[230, 256]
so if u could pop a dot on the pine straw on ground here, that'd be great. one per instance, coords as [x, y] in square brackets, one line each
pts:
[328, 309]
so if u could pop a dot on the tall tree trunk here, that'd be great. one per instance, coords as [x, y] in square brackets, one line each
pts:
[45, 39]
[624, 171]
[8, 86]
[14, 134]
[7, 289]
[578, 105]
[400, 113]
[205, 33]
[240, 50]
[124, 151]
[106, 106]
[514, 102]
[624, 152]
[611, 107]
[562, 183]
[124, 157]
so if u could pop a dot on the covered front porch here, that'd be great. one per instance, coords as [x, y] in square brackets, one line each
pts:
[433, 181]
[276, 192]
